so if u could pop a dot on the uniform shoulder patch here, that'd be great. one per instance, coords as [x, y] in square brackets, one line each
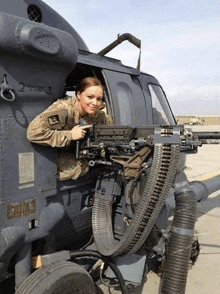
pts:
[55, 119]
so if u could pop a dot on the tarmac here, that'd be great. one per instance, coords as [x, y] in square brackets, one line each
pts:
[204, 276]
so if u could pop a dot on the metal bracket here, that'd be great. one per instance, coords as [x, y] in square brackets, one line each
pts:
[167, 135]
[132, 165]
[6, 90]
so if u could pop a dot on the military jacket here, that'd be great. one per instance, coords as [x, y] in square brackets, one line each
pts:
[52, 126]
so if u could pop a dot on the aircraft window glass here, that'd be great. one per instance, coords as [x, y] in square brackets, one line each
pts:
[124, 100]
[34, 13]
[71, 93]
[162, 114]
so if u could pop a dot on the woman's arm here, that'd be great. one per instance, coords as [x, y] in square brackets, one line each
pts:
[48, 128]
[40, 131]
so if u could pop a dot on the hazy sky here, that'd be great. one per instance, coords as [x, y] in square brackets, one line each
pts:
[180, 43]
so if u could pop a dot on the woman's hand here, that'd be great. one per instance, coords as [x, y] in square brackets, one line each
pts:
[78, 132]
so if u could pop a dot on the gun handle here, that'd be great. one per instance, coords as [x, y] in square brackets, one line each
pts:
[77, 149]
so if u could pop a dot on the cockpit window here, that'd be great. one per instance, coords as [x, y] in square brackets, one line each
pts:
[162, 114]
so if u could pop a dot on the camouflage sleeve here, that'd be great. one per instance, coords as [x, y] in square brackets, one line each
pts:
[46, 128]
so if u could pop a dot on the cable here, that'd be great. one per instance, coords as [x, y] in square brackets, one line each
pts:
[103, 282]
[90, 241]
[114, 268]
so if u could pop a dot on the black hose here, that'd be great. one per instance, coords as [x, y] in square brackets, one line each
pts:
[180, 244]
[114, 268]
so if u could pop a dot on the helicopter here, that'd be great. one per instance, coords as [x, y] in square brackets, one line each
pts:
[54, 234]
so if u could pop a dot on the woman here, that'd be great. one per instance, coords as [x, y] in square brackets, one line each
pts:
[58, 125]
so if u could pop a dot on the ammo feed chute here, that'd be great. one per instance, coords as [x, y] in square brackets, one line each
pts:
[152, 199]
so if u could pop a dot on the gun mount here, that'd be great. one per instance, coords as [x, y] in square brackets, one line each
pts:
[53, 232]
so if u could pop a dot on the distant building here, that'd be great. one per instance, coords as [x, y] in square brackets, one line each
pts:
[198, 119]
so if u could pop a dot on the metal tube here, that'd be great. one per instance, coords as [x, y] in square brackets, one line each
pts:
[23, 265]
[118, 41]
[203, 189]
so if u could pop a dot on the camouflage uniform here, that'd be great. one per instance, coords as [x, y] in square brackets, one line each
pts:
[52, 127]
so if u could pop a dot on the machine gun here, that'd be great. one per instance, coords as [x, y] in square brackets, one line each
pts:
[120, 144]
[134, 152]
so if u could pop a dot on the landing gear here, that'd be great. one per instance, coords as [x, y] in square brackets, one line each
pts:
[63, 277]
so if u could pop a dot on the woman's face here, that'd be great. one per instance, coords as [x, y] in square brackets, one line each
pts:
[89, 100]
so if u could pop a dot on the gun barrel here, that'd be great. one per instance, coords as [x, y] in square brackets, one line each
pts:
[208, 137]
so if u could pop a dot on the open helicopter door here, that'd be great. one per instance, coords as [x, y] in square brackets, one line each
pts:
[127, 98]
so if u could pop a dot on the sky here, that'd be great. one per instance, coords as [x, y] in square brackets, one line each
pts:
[180, 43]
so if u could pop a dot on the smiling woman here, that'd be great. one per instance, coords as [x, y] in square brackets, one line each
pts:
[89, 96]
[59, 125]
